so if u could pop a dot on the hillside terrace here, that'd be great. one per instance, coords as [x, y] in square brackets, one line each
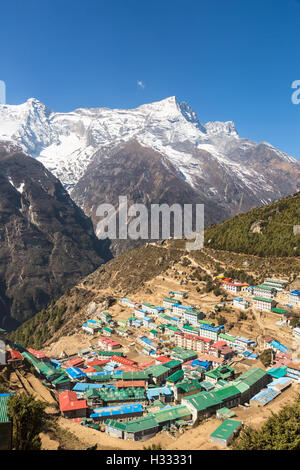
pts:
[111, 378]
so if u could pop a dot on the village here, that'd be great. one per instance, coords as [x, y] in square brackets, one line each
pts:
[168, 368]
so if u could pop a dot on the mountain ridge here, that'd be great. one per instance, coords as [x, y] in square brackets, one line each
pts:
[224, 169]
[47, 243]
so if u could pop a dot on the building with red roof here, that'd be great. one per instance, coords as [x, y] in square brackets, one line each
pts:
[70, 406]
[108, 344]
[38, 354]
[97, 362]
[162, 359]
[192, 342]
[16, 359]
[76, 362]
[122, 360]
[233, 287]
[221, 349]
[216, 361]
[147, 364]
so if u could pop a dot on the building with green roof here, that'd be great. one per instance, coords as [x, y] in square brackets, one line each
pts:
[182, 354]
[277, 372]
[158, 373]
[186, 388]
[136, 430]
[47, 371]
[223, 372]
[135, 375]
[202, 404]
[147, 426]
[153, 333]
[167, 416]
[263, 303]
[225, 433]
[169, 302]
[206, 322]
[238, 392]
[122, 331]
[106, 317]
[178, 375]
[262, 290]
[280, 311]
[107, 331]
[173, 364]
[226, 337]
[102, 355]
[5, 423]
[255, 379]
[107, 396]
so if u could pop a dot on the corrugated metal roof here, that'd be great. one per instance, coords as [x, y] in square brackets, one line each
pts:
[252, 376]
[171, 413]
[3, 407]
[265, 396]
[226, 429]
[155, 392]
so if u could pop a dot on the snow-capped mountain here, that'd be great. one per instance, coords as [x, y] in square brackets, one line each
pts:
[210, 157]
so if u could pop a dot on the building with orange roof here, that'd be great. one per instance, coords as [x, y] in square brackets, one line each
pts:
[70, 406]
[130, 383]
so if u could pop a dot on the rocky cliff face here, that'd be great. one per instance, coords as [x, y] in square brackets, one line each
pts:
[145, 177]
[46, 242]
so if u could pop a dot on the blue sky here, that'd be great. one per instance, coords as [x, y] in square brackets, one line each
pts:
[229, 59]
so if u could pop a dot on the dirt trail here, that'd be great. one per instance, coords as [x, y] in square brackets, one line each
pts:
[48, 443]
[30, 384]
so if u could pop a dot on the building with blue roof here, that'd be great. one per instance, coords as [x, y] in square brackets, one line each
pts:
[55, 363]
[264, 397]
[294, 298]
[75, 373]
[211, 332]
[280, 384]
[278, 346]
[159, 393]
[82, 387]
[117, 412]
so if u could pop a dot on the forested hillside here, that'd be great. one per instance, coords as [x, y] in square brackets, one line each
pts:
[270, 230]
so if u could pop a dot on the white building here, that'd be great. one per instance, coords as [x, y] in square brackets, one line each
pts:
[266, 292]
[233, 287]
[277, 284]
[210, 332]
[296, 332]
[294, 298]
[178, 295]
[193, 316]
[261, 303]
[149, 308]
[181, 309]
[240, 303]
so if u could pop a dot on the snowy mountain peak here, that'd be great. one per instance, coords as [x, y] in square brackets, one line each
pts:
[222, 129]
[191, 116]
[167, 108]
[66, 142]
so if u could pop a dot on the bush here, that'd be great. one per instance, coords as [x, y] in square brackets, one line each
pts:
[28, 418]
[266, 357]
[280, 432]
